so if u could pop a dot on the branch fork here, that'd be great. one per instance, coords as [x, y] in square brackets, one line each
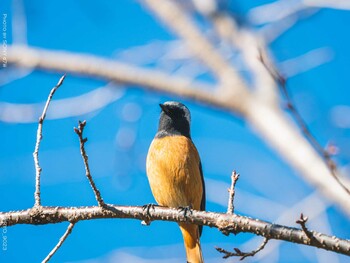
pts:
[239, 253]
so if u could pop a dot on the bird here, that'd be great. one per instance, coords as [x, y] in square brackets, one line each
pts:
[174, 171]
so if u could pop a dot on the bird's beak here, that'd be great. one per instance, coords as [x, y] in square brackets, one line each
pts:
[164, 108]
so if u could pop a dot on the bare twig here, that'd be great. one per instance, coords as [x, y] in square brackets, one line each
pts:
[300, 121]
[232, 223]
[231, 206]
[302, 222]
[60, 242]
[39, 136]
[313, 200]
[79, 131]
[239, 253]
[310, 234]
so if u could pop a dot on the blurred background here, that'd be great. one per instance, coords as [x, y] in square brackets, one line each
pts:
[310, 46]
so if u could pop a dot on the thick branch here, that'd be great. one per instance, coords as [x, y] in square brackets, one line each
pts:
[97, 67]
[178, 20]
[224, 222]
[284, 136]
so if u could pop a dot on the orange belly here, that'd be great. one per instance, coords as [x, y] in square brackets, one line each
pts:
[173, 172]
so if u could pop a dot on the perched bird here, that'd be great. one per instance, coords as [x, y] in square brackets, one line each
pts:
[174, 171]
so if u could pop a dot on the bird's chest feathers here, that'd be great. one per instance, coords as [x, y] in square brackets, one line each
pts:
[173, 170]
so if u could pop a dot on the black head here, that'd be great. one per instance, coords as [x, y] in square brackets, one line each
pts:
[175, 119]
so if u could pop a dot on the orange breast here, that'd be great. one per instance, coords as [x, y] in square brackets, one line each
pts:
[173, 172]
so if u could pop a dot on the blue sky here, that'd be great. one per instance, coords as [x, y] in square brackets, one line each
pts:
[120, 132]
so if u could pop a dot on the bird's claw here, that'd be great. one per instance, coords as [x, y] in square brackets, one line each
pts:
[147, 208]
[186, 210]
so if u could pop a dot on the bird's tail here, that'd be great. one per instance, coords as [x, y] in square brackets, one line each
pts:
[190, 235]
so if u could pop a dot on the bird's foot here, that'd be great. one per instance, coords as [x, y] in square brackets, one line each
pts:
[147, 208]
[186, 210]
[147, 214]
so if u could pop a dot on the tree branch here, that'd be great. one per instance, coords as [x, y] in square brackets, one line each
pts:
[39, 136]
[92, 66]
[300, 121]
[79, 131]
[60, 242]
[224, 222]
[239, 253]
[231, 206]
[232, 86]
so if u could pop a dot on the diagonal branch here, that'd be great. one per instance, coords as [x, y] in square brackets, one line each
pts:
[223, 221]
[39, 136]
[60, 242]
[175, 17]
[300, 121]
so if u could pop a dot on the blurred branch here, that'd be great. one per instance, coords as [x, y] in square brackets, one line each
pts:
[305, 62]
[229, 223]
[301, 123]
[250, 46]
[61, 108]
[282, 9]
[272, 31]
[92, 66]
[280, 16]
[335, 4]
[232, 86]
[19, 23]
[276, 11]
